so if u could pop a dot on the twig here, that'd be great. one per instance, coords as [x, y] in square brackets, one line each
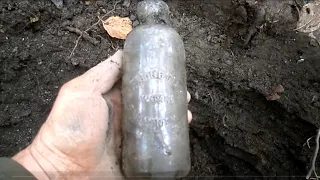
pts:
[313, 164]
[298, 7]
[100, 19]
[210, 97]
[75, 46]
[307, 143]
[224, 120]
[83, 34]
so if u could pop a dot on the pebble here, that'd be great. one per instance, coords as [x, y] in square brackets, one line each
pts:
[132, 17]
[314, 42]
[242, 12]
[126, 3]
[58, 3]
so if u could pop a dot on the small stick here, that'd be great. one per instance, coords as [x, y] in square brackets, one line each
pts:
[83, 34]
[313, 164]
[75, 46]
[93, 25]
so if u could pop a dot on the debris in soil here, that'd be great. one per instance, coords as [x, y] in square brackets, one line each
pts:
[314, 158]
[276, 90]
[118, 27]
[126, 3]
[309, 17]
[93, 25]
[273, 97]
[242, 13]
[85, 35]
[58, 3]
[34, 19]
[259, 19]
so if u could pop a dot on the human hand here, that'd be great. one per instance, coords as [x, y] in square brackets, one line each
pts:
[81, 139]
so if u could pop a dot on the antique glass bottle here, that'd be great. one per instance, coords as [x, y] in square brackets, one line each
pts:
[154, 90]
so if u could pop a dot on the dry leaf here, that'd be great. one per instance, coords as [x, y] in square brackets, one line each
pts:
[118, 27]
[273, 97]
[309, 17]
[278, 88]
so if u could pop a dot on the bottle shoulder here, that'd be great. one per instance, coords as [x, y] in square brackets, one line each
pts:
[154, 29]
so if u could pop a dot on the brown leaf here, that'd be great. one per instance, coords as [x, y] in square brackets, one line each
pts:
[273, 97]
[278, 88]
[118, 27]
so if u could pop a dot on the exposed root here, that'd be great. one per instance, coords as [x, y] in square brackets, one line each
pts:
[313, 164]
[83, 34]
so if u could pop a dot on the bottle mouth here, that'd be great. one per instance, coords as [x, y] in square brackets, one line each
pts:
[153, 12]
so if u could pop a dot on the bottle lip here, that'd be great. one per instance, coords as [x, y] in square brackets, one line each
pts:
[153, 12]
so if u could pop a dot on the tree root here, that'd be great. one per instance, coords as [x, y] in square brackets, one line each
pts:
[313, 163]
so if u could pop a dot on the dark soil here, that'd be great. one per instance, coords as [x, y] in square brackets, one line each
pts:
[236, 132]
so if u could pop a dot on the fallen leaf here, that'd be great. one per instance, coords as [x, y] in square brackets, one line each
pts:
[309, 17]
[273, 97]
[118, 27]
[278, 88]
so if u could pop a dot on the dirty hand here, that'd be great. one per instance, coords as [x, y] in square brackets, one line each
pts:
[81, 139]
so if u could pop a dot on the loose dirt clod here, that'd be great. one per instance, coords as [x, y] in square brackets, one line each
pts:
[259, 18]
[118, 27]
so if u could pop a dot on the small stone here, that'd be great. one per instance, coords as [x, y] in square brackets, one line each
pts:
[126, 3]
[314, 42]
[74, 61]
[58, 3]
[228, 62]
[15, 49]
[209, 38]
[242, 13]
[132, 17]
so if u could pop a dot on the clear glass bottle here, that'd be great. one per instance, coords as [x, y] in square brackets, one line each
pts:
[154, 91]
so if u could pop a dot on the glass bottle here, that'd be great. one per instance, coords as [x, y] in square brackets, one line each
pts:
[154, 91]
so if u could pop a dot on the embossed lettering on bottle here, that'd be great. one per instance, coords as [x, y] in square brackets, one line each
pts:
[154, 91]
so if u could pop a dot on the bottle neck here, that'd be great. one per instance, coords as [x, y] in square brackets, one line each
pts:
[155, 21]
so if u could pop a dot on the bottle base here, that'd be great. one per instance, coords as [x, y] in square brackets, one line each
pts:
[156, 175]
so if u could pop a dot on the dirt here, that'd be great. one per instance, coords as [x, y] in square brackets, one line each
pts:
[235, 132]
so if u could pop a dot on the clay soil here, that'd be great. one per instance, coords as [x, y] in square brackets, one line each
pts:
[236, 132]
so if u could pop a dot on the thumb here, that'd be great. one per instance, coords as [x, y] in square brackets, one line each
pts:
[99, 79]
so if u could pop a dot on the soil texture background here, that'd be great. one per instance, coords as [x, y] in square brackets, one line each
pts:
[236, 132]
